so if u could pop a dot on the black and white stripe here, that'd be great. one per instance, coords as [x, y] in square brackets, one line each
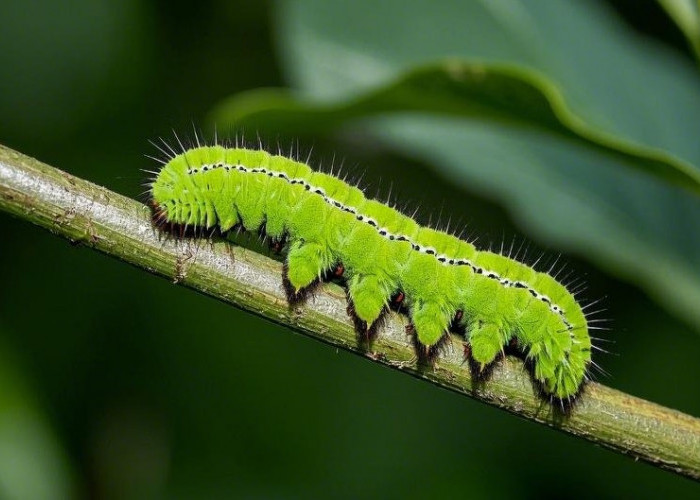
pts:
[445, 260]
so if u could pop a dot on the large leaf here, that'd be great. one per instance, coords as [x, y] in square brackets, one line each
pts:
[623, 102]
[502, 94]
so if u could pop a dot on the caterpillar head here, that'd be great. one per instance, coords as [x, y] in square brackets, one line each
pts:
[174, 197]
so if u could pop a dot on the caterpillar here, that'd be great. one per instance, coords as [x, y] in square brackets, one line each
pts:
[386, 259]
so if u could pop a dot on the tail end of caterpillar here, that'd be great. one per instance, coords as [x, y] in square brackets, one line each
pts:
[558, 375]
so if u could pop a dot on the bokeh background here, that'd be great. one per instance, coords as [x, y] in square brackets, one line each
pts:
[117, 384]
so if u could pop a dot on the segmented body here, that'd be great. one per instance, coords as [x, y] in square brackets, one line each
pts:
[445, 280]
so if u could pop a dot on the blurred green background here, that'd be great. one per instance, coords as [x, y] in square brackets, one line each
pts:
[116, 384]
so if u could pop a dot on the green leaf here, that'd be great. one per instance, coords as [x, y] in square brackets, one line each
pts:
[686, 14]
[572, 114]
[506, 95]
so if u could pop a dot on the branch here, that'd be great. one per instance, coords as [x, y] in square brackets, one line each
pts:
[118, 226]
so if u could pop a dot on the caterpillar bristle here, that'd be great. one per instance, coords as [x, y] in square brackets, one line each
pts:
[172, 153]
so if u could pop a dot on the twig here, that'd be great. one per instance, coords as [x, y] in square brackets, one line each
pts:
[118, 226]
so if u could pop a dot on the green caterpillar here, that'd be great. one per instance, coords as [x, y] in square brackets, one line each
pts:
[386, 257]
